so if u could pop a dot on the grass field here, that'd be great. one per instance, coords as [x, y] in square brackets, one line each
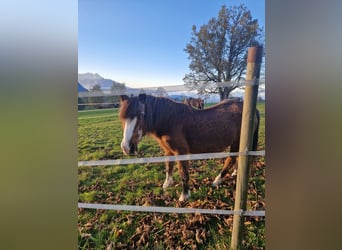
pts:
[100, 134]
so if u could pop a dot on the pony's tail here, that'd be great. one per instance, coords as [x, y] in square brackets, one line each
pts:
[256, 132]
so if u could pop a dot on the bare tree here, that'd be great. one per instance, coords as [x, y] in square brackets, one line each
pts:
[117, 86]
[218, 51]
[96, 99]
[161, 92]
[96, 87]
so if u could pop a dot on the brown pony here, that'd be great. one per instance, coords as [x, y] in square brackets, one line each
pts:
[194, 102]
[180, 129]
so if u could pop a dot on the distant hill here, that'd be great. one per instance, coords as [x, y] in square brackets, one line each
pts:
[89, 80]
[81, 88]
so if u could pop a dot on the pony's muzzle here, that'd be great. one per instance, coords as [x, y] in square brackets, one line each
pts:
[129, 149]
[125, 148]
[133, 149]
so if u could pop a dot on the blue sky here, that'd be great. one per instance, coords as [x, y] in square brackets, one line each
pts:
[141, 42]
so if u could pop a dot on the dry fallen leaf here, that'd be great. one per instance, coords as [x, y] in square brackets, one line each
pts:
[198, 235]
[88, 226]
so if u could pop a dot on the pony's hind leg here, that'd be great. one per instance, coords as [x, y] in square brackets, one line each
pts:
[229, 162]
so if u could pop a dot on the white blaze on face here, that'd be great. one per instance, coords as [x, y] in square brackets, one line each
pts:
[127, 134]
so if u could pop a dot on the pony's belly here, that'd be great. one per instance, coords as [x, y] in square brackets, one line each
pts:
[213, 140]
[205, 147]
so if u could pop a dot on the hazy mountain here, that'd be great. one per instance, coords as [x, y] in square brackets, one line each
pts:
[89, 80]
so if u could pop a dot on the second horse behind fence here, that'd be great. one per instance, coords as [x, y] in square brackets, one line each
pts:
[180, 129]
[194, 102]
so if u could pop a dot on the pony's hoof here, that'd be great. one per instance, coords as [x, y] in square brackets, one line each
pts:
[167, 183]
[217, 181]
[184, 197]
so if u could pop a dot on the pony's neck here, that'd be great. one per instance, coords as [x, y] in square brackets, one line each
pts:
[160, 112]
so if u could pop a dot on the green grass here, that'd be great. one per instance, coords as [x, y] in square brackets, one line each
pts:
[100, 134]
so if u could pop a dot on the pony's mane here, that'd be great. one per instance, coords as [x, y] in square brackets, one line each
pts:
[160, 109]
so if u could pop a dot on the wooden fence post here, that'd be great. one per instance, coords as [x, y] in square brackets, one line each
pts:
[246, 140]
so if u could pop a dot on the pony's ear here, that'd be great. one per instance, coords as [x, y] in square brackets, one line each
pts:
[123, 97]
[142, 98]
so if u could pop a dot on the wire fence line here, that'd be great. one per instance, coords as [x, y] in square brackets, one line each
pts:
[154, 209]
[95, 117]
[96, 103]
[169, 88]
[168, 158]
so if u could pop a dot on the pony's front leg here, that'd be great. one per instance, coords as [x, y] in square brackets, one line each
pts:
[184, 174]
[169, 171]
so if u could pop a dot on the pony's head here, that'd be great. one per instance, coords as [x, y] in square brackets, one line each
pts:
[201, 103]
[132, 115]
[194, 102]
